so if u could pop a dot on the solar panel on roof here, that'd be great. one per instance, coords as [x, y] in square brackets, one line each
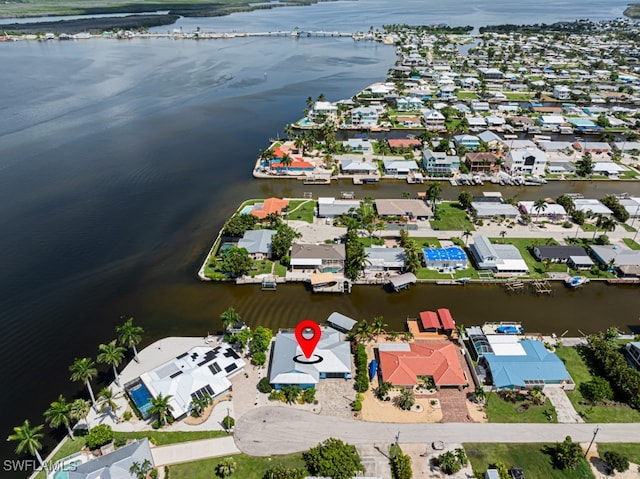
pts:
[231, 367]
[176, 374]
[182, 355]
[215, 369]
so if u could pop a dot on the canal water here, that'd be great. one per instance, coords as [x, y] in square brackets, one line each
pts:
[119, 162]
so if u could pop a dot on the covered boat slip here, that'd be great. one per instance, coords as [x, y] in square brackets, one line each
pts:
[402, 281]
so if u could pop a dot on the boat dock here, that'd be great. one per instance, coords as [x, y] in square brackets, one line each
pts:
[542, 286]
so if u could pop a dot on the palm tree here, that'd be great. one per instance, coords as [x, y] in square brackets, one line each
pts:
[378, 326]
[198, 405]
[59, 414]
[539, 205]
[226, 467]
[434, 194]
[229, 318]
[503, 234]
[107, 400]
[604, 223]
[466, 233]
[83, 370]
[160, 406]
[140, 470]
[129, 336]
[362, 332]
[80, 410]
[112, 354]
[286, 161]
[28, 440]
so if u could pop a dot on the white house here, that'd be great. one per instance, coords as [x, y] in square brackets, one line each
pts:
[561, 92]
[364, 116]
[358, 144]
[331, 207]
[528, 162]
[323, 111]
[502, 259]
[433, 120]
[439, 163]
[399, 168]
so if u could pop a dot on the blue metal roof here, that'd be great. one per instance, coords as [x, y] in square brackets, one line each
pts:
[537, 365]
[452, 253]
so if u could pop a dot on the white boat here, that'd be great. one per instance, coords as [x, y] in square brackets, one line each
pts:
[576, 281]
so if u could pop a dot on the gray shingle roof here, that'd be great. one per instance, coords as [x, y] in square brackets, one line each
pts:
[257, 241]
[116, 464]
[314, 251]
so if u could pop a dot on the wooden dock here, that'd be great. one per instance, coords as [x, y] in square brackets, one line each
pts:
[541, 286]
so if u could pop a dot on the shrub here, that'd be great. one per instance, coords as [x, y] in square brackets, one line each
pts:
[616, 461]
[309, 395]
[127, 415]
[356, 405]
[99, 436]
[264, 386]
[228, 422]
[259, 358]
[567, 224]
[276, 395]
[597, 390]
[120, 441]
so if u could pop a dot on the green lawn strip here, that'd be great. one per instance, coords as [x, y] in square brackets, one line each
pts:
[630, 450]
[499, 410]
[426, 242]
[452, 218]
[368, 242]
[280, 270]
[530, 457]
[580, 373]
[249, 467]
[628, 228]
[159, 437]
[261, 267]
[631, 244]
[301, 210]
[425, 273]
[519, 96]
[588, 227]
[628, 175]
[466, 95]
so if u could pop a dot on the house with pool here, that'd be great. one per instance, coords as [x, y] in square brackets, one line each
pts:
[199, 372]
[113, 465]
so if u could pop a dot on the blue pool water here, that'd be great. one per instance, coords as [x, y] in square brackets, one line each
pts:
[142, 398]
[246, 210]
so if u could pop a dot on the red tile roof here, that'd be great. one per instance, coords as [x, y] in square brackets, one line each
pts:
[438, 360]
[271, 205]
[429, 320]
[403, 143]
[446, 319]
[297, 164]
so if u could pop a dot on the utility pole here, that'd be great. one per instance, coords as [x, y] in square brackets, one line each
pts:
[595, 433]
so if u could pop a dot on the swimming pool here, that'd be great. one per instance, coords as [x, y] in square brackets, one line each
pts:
[247, 209]
[142, 398]
[61, 468]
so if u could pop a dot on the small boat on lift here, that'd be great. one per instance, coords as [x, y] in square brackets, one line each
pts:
[576, 281]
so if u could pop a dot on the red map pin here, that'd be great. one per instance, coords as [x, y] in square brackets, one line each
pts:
[308, 335]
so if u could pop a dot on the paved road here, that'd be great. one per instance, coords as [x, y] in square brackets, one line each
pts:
[193, 451]
[275, 430]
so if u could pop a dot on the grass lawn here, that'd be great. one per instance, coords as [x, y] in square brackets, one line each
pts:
[426, 242]
[530, 457]
[452, 218]
[211, 270]
[280, 270]
[628, 175]
[161, 438]
[466, 95]
[518, 96]
[301, 210]
[248, 467]
[631, 244]
[588, 227]
[580, 372]
[425, 273]
[628, 228]
[368, 242]
[499, 410]
[631, 450]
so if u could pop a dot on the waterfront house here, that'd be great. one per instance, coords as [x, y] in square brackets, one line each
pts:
[257, 243]
[580, 262]
[113, 465]
[323, 111]
[297, 167]
[550, 211]
[438, 163]
[591, 206]
[632, 205]
[269, 206]
[361, 145]
[481, 162]
[358, 167]
[201, 371]
[526, 162]
[561, 92]
[445, 260]
[409, 121]
[364, 117]
[289, 367]
[480, 106]
[332, 208]
[469, 142]
[399, 168]
[412, 209]
[493, 209]
[490, 73]
[502, 259]
[551, 121]
[405, 365]
[615, 256]
[512, 363]
[411, 103]
[433, 120]
[404, 143]
[558, 254]
[608, 168]
[384, 260]
[320, 258]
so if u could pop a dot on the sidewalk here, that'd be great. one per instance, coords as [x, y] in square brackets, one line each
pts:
[193, 451]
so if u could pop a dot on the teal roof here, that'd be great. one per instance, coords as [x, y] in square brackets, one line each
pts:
[537, 365]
